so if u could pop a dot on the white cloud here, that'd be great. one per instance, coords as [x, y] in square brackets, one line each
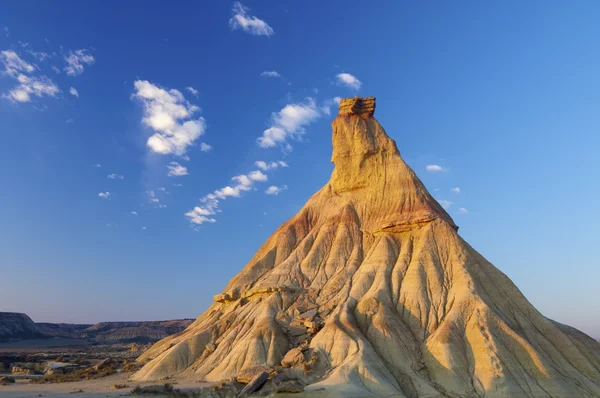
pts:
[144, 228]
[455, 190]
[28, 86]
[348, 80]
[134, 213]
[327, 104]
[257, 175]
[210, 203]
[69, 121]
[13, 64]
[73, 91]
[435, 168]
[204, 147]
[192, 91]
[167, 113]
[462, 210]
[289, 122]
[275, 190]
[177, 185]
[75, 61]
[196, 216]
[15, 67]
[6, 31]
[445, 204]
[261, 164]
[176, 170]
[271, 73]
[97, 165]
[115, 176]
[104, 195]
[248, 23]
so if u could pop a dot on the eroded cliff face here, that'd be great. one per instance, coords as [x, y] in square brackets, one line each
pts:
[17, 326]
[369, 290]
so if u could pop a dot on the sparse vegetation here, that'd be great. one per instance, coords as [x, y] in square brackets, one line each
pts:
[88, 373]
[166, 388]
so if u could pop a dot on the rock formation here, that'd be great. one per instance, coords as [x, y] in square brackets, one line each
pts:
[370, 291]
[17, 326]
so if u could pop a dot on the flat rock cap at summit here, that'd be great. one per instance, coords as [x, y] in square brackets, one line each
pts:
[357, 105]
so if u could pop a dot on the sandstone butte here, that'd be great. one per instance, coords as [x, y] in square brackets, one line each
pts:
[370, 291]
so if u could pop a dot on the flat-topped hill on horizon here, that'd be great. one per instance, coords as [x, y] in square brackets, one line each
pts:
[18, 326]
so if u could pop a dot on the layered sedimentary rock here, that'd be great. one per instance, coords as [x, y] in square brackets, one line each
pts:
[17, 326]
[370, 291]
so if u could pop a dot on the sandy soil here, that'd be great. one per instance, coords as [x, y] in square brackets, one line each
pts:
[91, 388]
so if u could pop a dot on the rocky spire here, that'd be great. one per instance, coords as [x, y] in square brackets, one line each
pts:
[369, 169]
[369, 291]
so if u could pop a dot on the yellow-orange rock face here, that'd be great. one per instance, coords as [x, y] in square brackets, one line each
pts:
[370, 291]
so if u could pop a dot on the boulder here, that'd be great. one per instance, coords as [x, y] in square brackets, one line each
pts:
[102, 364]
[255, 384]
[5, 380]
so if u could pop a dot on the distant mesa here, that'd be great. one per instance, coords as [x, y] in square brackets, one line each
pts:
[19, 327]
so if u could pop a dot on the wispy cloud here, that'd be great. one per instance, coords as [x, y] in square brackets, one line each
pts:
[14, 64]
[275, 190]
[115, 176]
[40, 55]
[176, 170]
[192, 91]
[104, 195]
[348, 80]
[271, 73]
[435, 168]
[169, 114]
[261, 164]
[204, 147]
[97, 165]
[248, 23]
[152, 198]
[327, 104]
[15, 67]
[73, 91]
[134, 213]
[289, 122]
[462, 210]
[455, 190]
[6, 31]
[32, 86]
[210, 203]
[75, 61]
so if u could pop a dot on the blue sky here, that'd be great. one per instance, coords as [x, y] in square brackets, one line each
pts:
[503, 97]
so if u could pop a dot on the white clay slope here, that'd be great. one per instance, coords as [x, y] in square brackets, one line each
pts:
[369, 290]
